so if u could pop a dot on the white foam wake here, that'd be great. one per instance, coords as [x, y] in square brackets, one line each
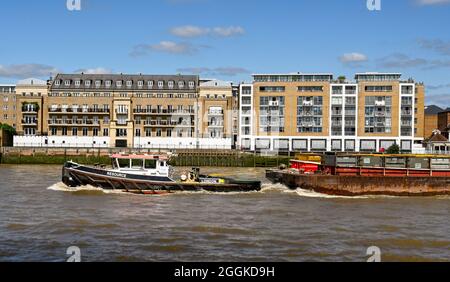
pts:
[61, 187]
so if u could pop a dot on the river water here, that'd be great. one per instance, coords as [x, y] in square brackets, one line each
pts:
[40, 218]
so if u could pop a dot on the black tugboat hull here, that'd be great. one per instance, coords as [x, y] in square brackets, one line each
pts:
[74, 175]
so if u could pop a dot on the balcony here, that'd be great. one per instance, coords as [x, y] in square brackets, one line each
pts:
[167, 123]
[68, 122]
[29, 110]
[215, 124]
[215, 113]
[78, 110]
[162, 112]
[406, 113]
[380, 114]
[29, 121]
[336, 113]
[122, 111]
[350, 113]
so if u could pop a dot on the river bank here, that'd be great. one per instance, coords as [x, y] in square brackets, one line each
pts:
[182, 158]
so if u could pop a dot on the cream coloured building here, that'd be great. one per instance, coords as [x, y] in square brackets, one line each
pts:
[315, 112]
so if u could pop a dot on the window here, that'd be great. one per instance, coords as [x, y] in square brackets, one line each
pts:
[191, 84]
[160, 84]
[108, 83]
[105, 132]
[67, 83]
[171, 84]
[129, 83]
[85, 131]
[150, 84]
[180, 84]
[95, 132]
[64, 131]
[57, 82]
[272, 89]
[121, 132]
[74, 131]
[138, 132]
[119, 83]
[98, 83]
[54, 131]
[87, 83]
[310, 88]
[140, 83]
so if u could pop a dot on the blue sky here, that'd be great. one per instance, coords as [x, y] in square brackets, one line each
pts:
[229, 39]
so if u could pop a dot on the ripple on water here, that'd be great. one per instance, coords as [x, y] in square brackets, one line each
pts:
[217, 230]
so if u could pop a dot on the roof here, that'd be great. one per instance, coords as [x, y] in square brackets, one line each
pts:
[139, 157]
[433, 110]
[290, 73]
[216, 83]
[436, 137]
[32, 81]
[113, 78]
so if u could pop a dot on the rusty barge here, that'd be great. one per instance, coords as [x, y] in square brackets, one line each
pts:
[363, 174]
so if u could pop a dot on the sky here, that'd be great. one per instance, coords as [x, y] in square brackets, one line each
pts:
[228, 39]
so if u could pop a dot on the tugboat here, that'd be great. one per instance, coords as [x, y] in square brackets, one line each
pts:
[148, 174]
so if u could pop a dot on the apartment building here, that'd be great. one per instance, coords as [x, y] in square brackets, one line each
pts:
[8, 100]
[134, 111]
[314, 112]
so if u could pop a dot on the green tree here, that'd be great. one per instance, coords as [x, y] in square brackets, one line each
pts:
[394, 149]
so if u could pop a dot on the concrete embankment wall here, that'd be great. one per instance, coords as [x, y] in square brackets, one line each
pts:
[220, 158]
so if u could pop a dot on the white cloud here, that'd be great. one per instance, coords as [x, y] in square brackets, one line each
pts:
[228, 31]
[432, 2]
[353, 57]
[183, 48]
[98, 70]
[190, 31]
[27, 70]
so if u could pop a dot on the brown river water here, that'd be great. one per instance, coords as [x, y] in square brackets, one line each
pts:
[40, 218]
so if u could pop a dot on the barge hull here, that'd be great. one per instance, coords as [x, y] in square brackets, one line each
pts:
[352, 185]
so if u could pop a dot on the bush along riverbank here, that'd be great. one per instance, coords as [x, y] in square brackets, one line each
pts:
[238, 160]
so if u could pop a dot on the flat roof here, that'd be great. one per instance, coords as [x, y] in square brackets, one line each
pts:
[292, 73]
[139, 157]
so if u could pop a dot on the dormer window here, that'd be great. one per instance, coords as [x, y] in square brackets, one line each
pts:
[67, 83]
[77, 83]
[57, 82]
[119, 83]
[140, 83]
[129, 83]
[180, 84]
[108, 83]
[160, 84]
[191, 84]
[87, 83]
[170, 84]
[98, 83]
[150, 84]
